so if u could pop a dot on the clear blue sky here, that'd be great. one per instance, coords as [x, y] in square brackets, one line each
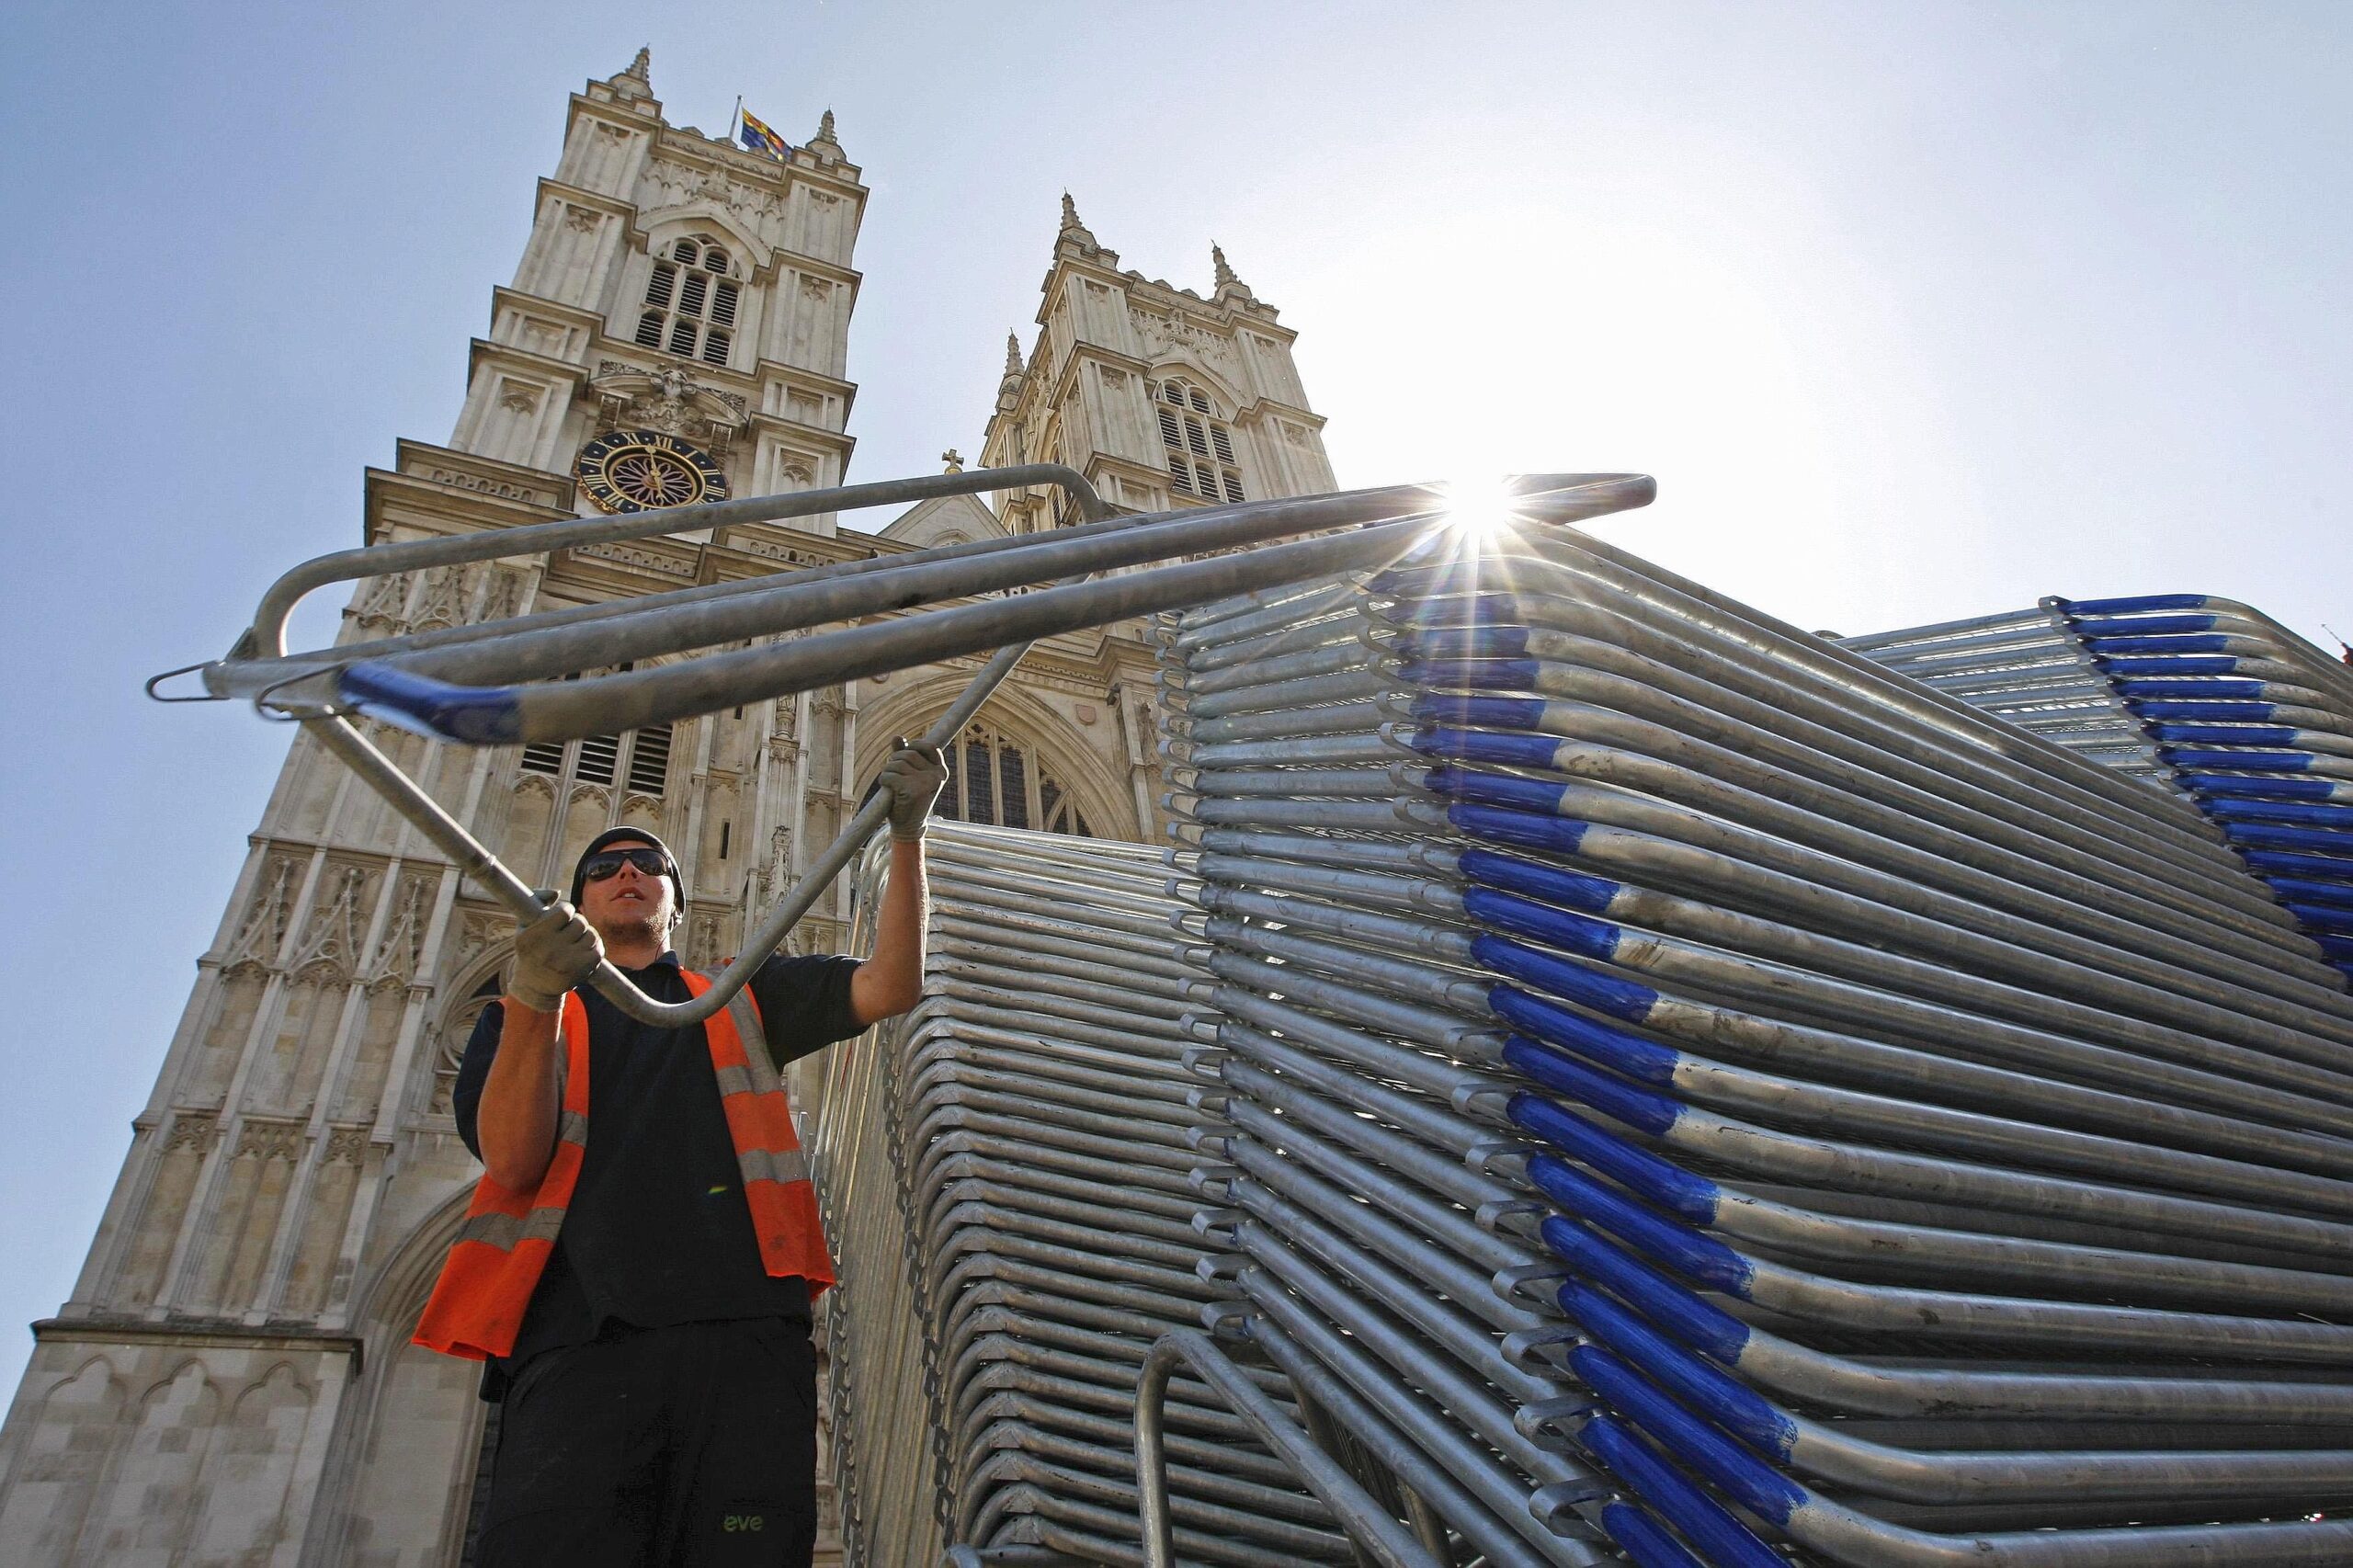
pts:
[1916, 310]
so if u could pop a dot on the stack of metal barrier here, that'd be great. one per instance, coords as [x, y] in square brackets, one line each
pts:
[1004, 1179]
[2247, 719]
[1684, 1083]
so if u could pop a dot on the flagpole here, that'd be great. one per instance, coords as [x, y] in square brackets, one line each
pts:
[735, 131]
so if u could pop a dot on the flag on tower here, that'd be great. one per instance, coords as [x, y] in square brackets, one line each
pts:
[755, 134]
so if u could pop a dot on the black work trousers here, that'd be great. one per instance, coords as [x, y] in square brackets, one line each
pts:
[692, 1447]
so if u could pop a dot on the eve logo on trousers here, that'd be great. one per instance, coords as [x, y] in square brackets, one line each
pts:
[736, 1522]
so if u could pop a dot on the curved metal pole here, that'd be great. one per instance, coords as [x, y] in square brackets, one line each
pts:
[1387, 1541]
[267, 636]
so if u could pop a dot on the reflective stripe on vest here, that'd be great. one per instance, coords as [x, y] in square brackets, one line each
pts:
[502, 1248]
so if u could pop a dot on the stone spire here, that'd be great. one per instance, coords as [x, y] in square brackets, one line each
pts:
[824, 137]
[1074, 232]
[1008, 386]
[1228, 285]
[636, 80]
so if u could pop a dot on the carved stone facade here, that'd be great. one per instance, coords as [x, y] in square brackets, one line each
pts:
[232, 1380]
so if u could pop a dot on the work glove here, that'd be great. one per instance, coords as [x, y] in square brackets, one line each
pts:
[912, 778]
[554, 953]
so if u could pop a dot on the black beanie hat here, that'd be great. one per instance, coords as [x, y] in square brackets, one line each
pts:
[625, 836]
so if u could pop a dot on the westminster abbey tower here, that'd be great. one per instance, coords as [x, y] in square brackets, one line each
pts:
[231, 1380]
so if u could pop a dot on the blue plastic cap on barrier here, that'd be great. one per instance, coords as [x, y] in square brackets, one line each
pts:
[1509, 748]
[1565, 1075]
[1569, 890]
[2214, 687]
[1764, 1491]
[2219, 713]
[2251, 761]
[1525, 830]
[1716, 1394]
[1657, 1181]
[1707, 1328]
[2135, 605]
[1478, 712]
[1644, 1061]
[2227, 735]
[2335, 894]
[2274, 789]
[482, 716]
[2144, 626]
[1607, 993]
[1727, 1542]
[1479, 674]
[2180, 665]
[1643, 1539]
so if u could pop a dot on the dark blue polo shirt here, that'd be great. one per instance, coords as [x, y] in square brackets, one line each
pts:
[657, 1232]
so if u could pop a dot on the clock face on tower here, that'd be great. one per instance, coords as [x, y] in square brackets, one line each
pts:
[638, 471]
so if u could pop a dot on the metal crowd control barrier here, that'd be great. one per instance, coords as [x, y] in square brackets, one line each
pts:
[435, 682]
[1700, 1092]
[2249, 720]
[1005, 1177]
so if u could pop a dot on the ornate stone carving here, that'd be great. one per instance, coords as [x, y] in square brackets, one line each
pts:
[1173, 334]
[443, 601]
[264, 929]
[502, 597]
[332, 937]
[702, 943]
[635, 555]
[579, 220]
[347, 1145]
[611, 132]
[519, 397]
[818, 289]
[668, 399]
[269, 1140]
[396, 956]
[680, 183]
[481, 929]
[768, 549]
[198, 1131]
[382, 599]
[777, 874]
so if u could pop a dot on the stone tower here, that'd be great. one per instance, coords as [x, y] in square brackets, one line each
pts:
[1161, 397]
[232, 1378]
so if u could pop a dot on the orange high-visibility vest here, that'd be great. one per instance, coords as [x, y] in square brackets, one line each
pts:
[478, 1303]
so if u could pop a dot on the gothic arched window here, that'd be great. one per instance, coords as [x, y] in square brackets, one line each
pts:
[994, 780]
[690, 302]
[1200, 447]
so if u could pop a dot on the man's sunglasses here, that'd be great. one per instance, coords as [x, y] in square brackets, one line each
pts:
[608, 862]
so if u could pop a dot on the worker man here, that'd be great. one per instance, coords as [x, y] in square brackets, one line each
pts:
[641, 1254]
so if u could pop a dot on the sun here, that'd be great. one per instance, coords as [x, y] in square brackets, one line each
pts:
[1479, 506]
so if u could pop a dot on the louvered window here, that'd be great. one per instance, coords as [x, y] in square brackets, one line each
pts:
[641, 758]
[691, 299]
[649, 762]
[1201, 462]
